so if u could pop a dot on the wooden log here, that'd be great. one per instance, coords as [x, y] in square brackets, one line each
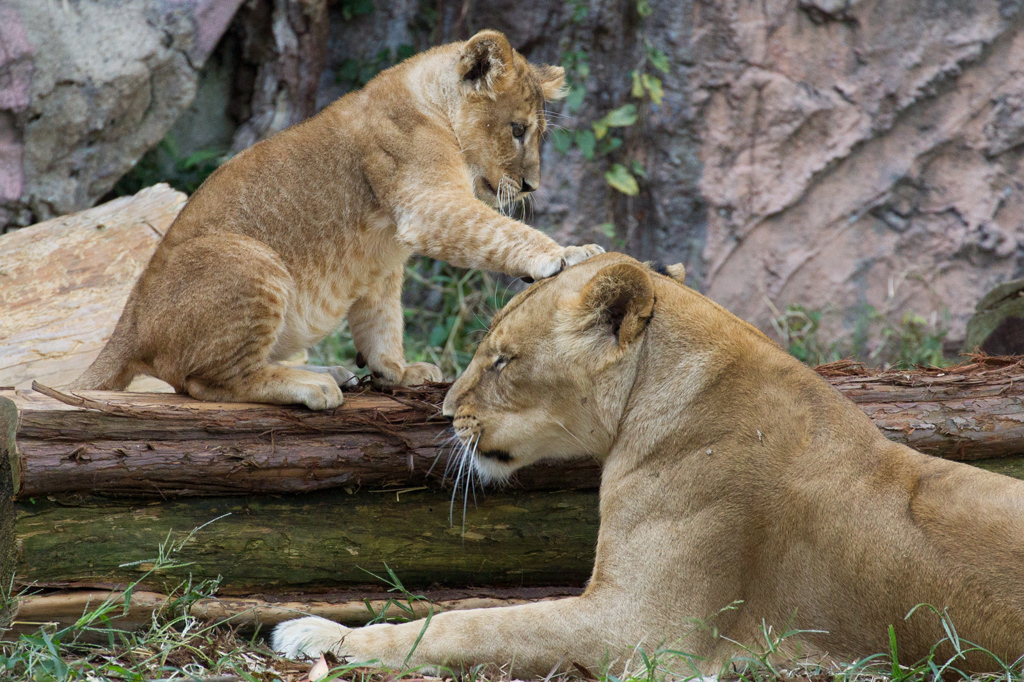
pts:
[64, 282]
[63, 608]
[8, 476]
[320, 541]
[166, 445]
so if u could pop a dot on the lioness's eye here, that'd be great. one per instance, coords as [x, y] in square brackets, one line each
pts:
[518, 130]
[499, 363]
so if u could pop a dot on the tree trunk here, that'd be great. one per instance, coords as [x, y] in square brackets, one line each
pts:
[321, 541]
[8, 476]
[165, 445]
[350, 608]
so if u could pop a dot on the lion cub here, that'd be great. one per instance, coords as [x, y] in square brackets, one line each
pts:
[314, 225]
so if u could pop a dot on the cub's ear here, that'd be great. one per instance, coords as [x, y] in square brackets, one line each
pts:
[618, 302]
[486, 60]
[552, 81]
[676, 272]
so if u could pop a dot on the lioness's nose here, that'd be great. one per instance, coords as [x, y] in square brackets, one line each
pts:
[527, 187]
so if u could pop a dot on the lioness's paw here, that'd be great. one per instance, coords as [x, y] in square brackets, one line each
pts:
[419, 373]
[577, 254]
[307, 637]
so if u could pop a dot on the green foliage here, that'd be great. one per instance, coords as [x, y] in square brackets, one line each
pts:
[597, 142]
[447, 312]
[350, 9]
[165, 163]
[878, 338]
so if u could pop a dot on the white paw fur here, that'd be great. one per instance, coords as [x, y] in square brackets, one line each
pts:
[307, 637]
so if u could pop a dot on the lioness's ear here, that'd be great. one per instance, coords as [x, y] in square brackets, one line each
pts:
[676, 272]
[486, 60]
[552, 81]
[619, 301]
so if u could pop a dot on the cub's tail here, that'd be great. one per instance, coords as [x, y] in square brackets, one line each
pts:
[115, 366]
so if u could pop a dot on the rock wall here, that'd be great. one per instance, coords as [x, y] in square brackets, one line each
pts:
[86, 87]
[835, 154]
[860, 152]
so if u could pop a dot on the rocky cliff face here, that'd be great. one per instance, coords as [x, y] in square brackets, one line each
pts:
[848, 156]
[86, 88]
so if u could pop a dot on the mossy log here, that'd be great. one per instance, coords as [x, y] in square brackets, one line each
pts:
[320, 541]
[997, 326]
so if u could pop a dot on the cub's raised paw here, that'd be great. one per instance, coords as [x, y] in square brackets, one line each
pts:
[577, 254]
[307, 637]
[420, 373]
[570, 255]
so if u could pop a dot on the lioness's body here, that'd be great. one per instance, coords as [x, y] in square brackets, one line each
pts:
[298, 232]
[731, 472]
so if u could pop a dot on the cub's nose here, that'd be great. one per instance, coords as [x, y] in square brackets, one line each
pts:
[449, 417]
[527, 187]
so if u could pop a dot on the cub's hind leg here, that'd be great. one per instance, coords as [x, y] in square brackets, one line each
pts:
[210, 313]
[376, 323]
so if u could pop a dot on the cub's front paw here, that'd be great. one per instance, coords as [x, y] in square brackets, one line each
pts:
[308, 637]
[420, 373]
[571, 255]
[577, 254]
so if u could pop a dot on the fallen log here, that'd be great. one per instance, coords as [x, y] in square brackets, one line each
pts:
[165, 445]
[323, 541]
[64, 608]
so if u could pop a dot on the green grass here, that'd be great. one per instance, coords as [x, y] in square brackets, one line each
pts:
[878, 338]
[176, 646]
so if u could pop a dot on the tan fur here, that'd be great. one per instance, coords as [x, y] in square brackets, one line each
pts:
[731, 473]
[314, 225]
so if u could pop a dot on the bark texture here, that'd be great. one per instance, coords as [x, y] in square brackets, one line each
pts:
[168, 445]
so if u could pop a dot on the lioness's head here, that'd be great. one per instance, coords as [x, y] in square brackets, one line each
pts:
[501, 117]
[552, 376]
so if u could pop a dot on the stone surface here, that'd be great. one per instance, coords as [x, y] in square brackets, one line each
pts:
[842, 155]
[997, 326]
[86, 88]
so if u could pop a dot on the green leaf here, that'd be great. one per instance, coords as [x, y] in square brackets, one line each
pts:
[653, 85]
[562, 139]
[643, 8]
[600, 127]
[638, 88]
[586, 141]
[404, 52]
[621, 117]
[608, 145]
[638, 169]
[575, 98]
[621, 179]
[348, 72]
[607, 229]
[658, 59]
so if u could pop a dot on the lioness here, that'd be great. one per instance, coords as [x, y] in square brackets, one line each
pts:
[731, 473]
[314, 225]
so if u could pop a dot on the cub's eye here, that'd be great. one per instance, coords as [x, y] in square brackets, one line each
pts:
[518, 130]
[499, 363]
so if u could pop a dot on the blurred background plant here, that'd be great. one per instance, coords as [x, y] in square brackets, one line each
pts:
[447, 312]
